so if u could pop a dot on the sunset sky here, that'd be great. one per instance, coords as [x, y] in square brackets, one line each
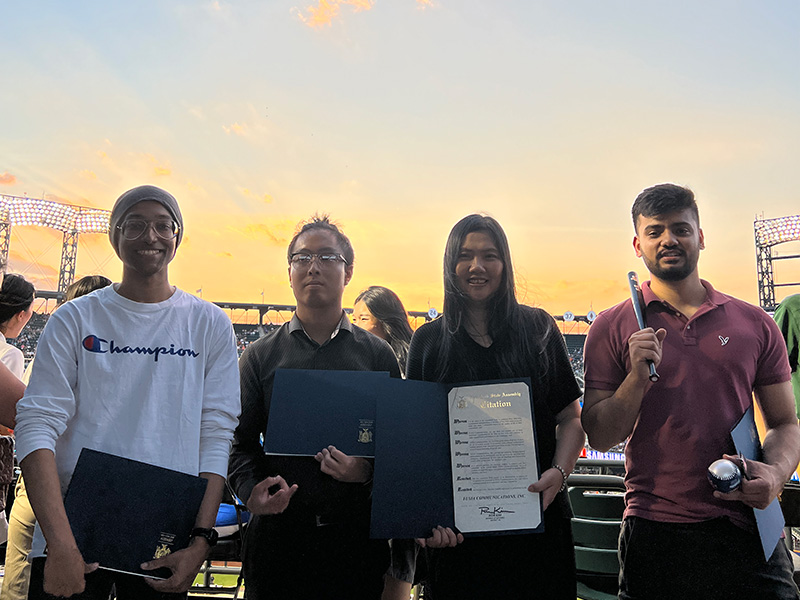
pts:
[398, 117]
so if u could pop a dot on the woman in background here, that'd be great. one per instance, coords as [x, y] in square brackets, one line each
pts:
[485, 334]
[11, 388]
[16, 308]
[22, 521]
[380, 311]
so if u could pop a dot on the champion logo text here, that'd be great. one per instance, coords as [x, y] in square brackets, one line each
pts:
[92, 343]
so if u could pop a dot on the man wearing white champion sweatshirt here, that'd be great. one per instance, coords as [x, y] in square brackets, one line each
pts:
[139, 369]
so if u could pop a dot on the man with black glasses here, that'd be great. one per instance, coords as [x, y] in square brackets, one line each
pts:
[139, 369]
[310, 538]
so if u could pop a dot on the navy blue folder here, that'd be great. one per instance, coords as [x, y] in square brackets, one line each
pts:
[412, 489]
[124, 512]
[311, 410]
[769, 520]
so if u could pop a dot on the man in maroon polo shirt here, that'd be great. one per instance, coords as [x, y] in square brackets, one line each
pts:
[681, 539]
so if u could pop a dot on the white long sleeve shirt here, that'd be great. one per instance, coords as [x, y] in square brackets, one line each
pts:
[158, 383]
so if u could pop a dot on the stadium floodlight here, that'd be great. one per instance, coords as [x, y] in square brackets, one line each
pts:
[776, 231]
[17, 210]
[92, 220]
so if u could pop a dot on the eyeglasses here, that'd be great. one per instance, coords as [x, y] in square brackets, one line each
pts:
[326, 259]
[133, 229]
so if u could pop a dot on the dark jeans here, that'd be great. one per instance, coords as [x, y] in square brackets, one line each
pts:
[98, 586]
[708, 560]
[289, 558]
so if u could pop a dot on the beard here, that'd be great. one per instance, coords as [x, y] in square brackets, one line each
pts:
[672, 272]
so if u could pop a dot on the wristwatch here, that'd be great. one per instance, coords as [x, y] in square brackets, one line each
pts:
[209, 534]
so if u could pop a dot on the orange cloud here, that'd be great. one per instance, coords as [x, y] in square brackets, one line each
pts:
[105, 159]
[327, 10]
[224, 254]
[88, 174]
[424, 4]
[266, 198]
[236, 128]
[261, 230]
[7, 178]
[158, 170]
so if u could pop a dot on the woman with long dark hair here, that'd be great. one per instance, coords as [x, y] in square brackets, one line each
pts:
[380, 311]
[485, 334]
[11, 388]
[16, 301]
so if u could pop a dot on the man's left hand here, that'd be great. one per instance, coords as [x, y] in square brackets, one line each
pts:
[341, 467]
[760, 487]
[185, 565]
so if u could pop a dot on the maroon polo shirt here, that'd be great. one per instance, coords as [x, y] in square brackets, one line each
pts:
[710, 365]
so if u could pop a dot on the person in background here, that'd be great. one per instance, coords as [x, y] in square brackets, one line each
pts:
[680, 538]
[11, 388]
[787, 316]
[380, 311]
[21, 520]
[485, 334]
[16, 308]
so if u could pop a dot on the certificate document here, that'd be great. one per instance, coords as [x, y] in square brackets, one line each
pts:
[493, 458]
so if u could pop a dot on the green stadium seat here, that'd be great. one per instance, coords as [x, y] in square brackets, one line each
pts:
[598, 505]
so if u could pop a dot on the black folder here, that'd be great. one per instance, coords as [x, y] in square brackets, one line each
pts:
[124, 512]
[313, 409]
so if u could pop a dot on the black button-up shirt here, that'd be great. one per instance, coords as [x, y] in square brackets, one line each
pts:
[350, 348]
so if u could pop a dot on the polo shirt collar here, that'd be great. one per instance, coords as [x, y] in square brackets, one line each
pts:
[344, 323]
[714, 297]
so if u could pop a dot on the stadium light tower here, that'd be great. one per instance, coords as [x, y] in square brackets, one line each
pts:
[70, 220]
[768, 233]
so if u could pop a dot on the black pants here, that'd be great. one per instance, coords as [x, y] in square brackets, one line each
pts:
[98, 586]
[533, 566]
[286, 558]
[703, 561]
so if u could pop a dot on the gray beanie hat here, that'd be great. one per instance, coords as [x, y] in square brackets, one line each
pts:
[140, 194]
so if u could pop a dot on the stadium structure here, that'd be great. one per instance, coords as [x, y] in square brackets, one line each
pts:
[768, 234]
[66, 218]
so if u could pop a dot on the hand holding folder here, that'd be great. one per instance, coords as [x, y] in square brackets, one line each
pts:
[124, 512]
